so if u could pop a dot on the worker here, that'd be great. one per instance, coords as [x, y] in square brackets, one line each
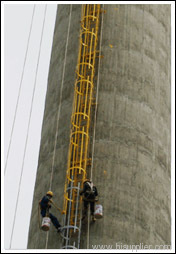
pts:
[90, 197]
[45, 205]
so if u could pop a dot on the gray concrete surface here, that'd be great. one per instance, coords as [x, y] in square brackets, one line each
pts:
[132, 142]
[37, 238]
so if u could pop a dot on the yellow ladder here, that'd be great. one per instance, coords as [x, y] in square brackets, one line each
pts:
[79, 139]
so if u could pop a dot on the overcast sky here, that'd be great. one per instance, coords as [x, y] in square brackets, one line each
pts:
[17, 20]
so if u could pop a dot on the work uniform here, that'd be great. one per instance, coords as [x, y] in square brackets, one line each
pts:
[45, 206]
[90, 193]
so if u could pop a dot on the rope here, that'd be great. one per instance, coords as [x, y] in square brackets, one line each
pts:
[93, 145]
[39, 216]
[31, 108]
[88, 225]
[58, 114]
[98, 82]
[59, 109]
[56, 206]
[19, 91]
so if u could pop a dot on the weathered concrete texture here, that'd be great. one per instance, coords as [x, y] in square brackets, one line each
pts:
[37, 238]
[132, 144]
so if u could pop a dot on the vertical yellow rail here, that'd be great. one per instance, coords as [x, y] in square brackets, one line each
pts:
[80, 119]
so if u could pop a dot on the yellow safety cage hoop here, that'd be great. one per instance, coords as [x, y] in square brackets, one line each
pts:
[80, 120]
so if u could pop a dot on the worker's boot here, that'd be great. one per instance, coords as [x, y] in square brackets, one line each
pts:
[93, 218]
[59, 229]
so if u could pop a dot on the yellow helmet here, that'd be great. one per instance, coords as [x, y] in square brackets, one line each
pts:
[50, 193]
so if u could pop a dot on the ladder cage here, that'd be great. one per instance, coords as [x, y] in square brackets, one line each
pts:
[80, 121]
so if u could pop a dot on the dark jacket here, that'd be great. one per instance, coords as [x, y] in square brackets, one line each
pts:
[89, 193]
[45, 203]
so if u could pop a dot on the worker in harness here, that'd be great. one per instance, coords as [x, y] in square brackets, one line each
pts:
[45, 205]
[90, 197]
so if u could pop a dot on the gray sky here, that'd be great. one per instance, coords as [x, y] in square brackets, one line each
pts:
[17, 20]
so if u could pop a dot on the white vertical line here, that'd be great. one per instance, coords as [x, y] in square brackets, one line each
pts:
[98, 82]
[28, 127]
[93, 145]
[59, 110]
[19, 91]
[88, 225]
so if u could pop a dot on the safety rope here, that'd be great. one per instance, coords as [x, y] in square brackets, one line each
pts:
[58, 114]
[59, 109]
[39, 216]
[96, 103]
[95, 117]
[19, 91]
[31, 108]
[88, 225]
[56, 206]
